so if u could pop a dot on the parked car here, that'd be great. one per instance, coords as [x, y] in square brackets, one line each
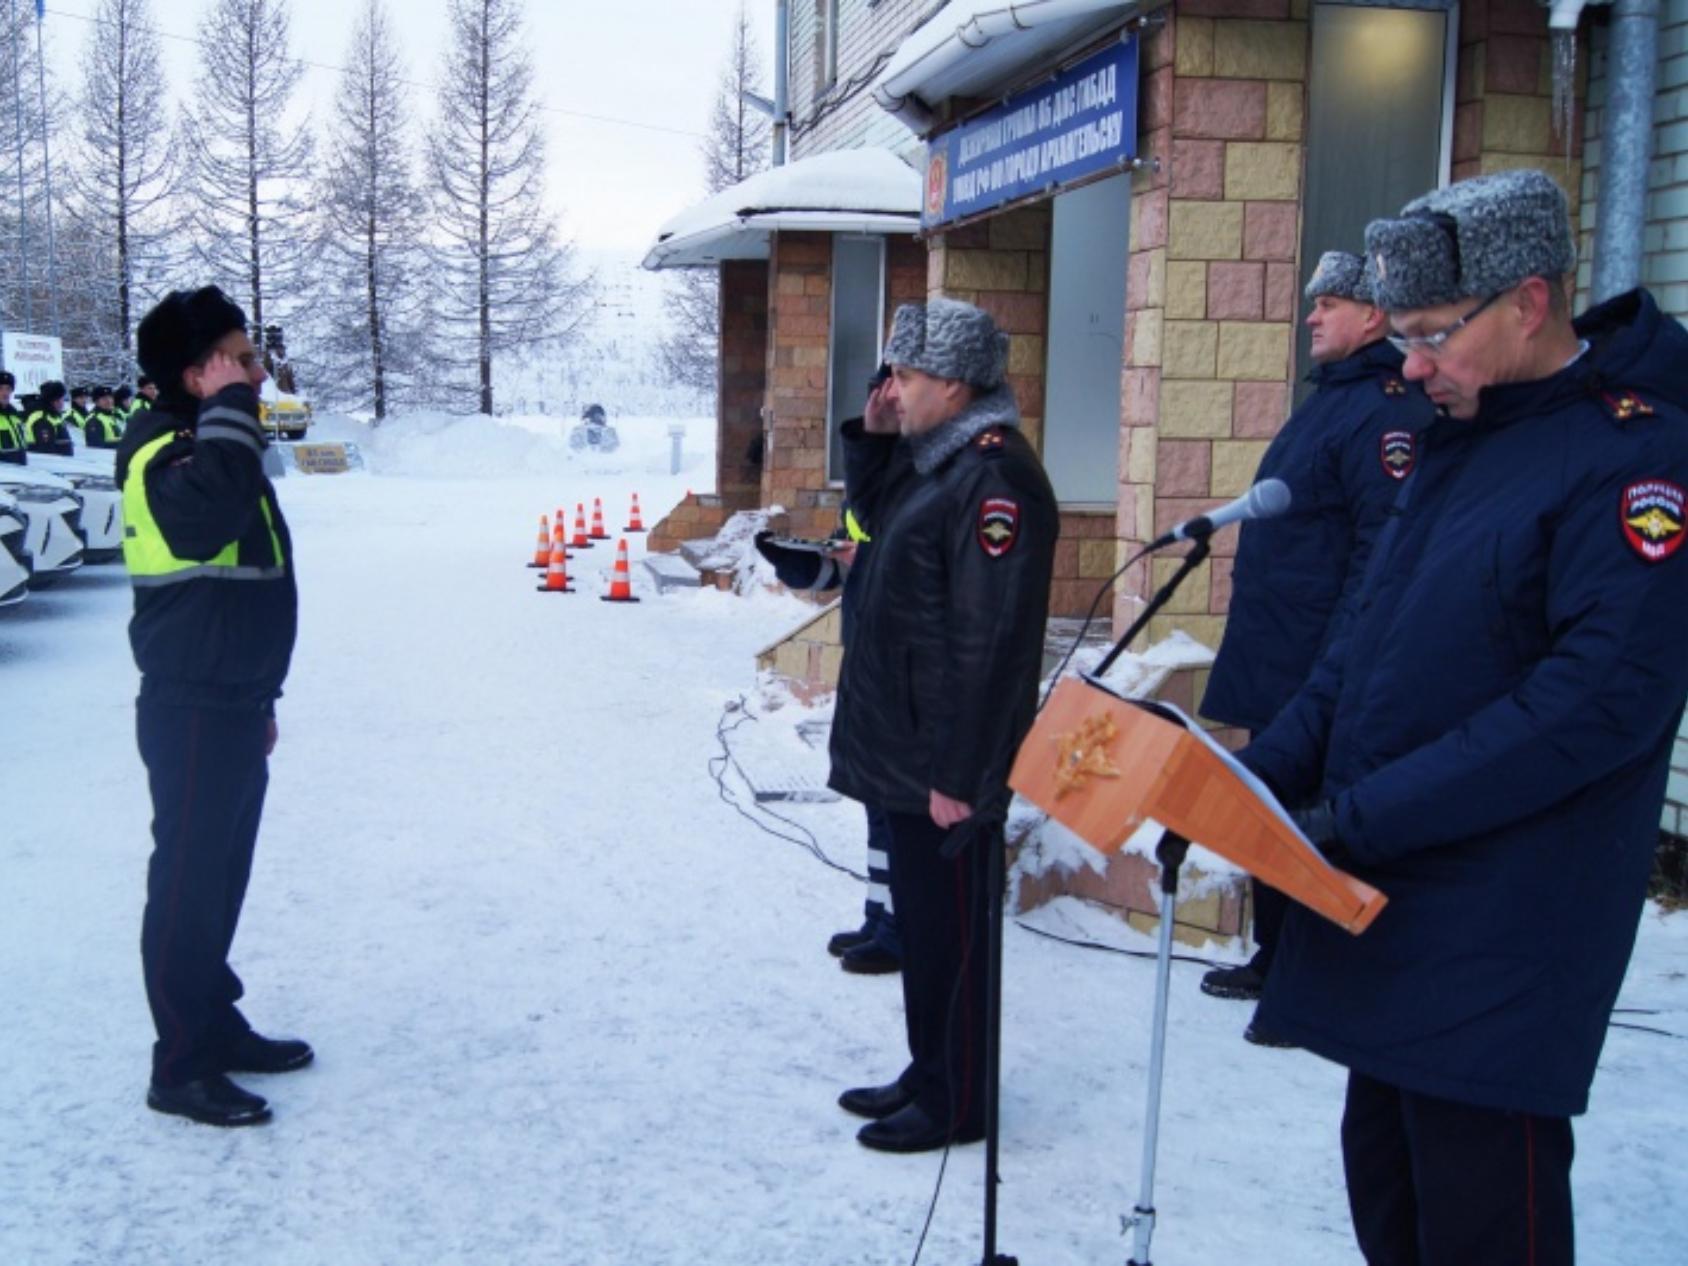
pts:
[52, 513]
[90, 474]
[14, 556]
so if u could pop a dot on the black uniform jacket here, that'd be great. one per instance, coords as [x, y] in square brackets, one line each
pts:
[207, 642]
[940, 679]
[1493, 723]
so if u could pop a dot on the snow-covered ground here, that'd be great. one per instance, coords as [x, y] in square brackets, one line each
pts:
[569, 1006]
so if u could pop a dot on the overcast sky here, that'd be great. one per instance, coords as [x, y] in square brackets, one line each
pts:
[647, 62]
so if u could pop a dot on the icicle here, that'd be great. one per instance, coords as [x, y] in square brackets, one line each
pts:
[1565, 86]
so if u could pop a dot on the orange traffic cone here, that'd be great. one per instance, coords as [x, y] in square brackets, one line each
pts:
[635, 523]
[598, 533]
[557, 573]
[542, 551]
[580, 541]
[621, 579]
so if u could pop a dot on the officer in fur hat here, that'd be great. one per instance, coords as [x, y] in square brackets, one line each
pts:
[216, 609]
[940, 682]
[1344, 454]
[1488, 736]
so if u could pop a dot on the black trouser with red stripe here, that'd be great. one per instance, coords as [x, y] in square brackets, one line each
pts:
[207, 771]
[1437, 1183]
[941, 908]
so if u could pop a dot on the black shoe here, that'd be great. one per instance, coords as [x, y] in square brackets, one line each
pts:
[1254, 1033]
[842, 942]
[255, 1053]
[870, 959]
[911, 1130]
[876, 1102]
[1243, 983]
[212, 1100]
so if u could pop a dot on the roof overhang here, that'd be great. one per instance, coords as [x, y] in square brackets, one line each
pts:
[974, 48]
[844, 191]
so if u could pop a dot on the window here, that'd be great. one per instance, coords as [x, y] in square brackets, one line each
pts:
[827, 74]
[1088, 252]
[858, 324]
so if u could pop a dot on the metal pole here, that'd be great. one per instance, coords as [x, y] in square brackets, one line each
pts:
[782, 61]
[47, 180]
[23, 209]
[1626, 143]
[1142, 1221]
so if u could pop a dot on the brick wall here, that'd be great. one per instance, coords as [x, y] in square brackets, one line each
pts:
[847, 117]
[1212, 280]
[799, 316]
[1503, 114]
[1664, 267]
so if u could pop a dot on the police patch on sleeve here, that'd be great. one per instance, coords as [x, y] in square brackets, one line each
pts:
[1652, 516]
[1398, 451]
[999, 525]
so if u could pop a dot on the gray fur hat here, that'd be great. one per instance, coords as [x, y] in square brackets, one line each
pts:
[1471, 240]
[949, 339]
[1342, 275]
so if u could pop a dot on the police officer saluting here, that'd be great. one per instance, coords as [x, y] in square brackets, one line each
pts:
[1344, 454]
[1488, 736]
[940, 682]
[215, 613]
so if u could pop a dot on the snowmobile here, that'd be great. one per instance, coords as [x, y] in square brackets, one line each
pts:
[594, 431]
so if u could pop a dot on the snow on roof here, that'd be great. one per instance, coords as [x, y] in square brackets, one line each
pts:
[971, 47]
[845, 191]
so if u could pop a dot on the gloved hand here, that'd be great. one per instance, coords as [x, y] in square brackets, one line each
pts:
[1318, 824]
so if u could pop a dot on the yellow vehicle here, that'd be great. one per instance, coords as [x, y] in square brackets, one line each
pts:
[284, 415]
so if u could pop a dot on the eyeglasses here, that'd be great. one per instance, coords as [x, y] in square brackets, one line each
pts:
[1432, 345]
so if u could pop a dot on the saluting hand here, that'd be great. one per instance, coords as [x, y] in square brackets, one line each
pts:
[880, 415]
[222, 370]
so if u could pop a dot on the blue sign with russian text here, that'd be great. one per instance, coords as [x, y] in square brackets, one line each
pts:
[1082, 122]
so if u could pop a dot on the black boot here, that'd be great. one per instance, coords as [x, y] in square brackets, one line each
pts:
[876, 1102]
[254, 1053]
[842, 942]
[212, 1100]
[912, 1130]
[870, 959]
[1243, 982]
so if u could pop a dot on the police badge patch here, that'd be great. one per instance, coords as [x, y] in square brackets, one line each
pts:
[1652, 516]
[999, 525]
[1398, 451]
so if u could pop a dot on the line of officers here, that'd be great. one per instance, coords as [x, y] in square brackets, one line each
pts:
[39, 422]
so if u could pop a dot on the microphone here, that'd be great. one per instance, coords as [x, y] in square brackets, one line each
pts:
[1265, 500]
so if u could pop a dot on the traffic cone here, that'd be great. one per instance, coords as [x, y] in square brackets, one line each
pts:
[580, 541]
[635, 523]
[621, 579]
[557, 572]
[542, 551]
[598, 533]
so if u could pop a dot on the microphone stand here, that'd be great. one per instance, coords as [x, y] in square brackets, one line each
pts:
[1192, 560]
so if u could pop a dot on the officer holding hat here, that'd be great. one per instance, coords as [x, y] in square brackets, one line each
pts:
[940, 682]
[1487, 737]
[1344, 454]
[216, 609]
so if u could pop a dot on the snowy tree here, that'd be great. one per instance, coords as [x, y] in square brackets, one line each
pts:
[372, 319]
[736, 147]
[125, 169]
[505, 283]
[250, 160]
[27, 295]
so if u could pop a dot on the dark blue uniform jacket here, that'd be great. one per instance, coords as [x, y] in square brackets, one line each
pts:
[1493, 721]
[1344, 454]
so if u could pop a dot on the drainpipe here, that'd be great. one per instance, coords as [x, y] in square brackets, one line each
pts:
[782, 65]
[1626, 144]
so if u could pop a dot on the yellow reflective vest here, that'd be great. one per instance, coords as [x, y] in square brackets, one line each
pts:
[148, 556]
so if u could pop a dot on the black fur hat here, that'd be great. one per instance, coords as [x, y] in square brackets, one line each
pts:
[50, 391]
[184, 326]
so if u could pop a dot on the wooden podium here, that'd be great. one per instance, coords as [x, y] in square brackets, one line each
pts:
[1102, 766]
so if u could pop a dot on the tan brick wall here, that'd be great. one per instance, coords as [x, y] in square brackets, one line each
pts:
[743, 369]
[699, 515]
[1211, 295]
[799, 318]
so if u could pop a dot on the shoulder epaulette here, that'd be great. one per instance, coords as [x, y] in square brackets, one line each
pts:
[1624, 405]
[990, 441]
[1393, 384]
